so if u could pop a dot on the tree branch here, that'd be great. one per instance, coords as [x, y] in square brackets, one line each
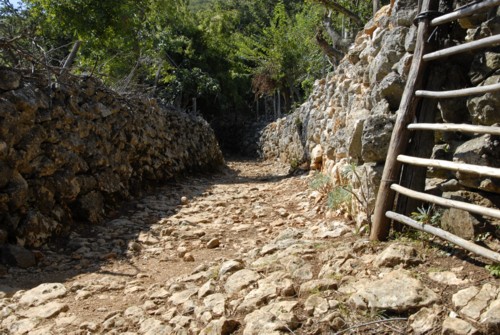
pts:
[331, 4]
[333, 54]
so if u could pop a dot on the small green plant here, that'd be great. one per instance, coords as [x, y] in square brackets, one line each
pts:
[429, 215]
[294, 163]
[298, 123]
[494, 269]
[338, 197]
[321, 183]
[363, 191]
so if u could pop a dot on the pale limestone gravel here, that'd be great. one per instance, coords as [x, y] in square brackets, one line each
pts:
[248, 251]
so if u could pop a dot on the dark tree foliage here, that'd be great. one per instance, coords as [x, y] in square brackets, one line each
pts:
[223, 54]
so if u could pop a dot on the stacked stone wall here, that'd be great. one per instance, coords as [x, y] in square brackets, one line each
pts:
[72, 151]
[349, 117]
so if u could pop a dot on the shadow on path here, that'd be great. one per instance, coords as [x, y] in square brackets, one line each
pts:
[89, 248]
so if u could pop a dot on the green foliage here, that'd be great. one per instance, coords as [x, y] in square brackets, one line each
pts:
[224, 53]
[427, 215]
[320, 182]
[339, 197]
[494, 269]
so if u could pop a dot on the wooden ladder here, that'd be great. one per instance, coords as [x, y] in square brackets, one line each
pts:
[418, 102]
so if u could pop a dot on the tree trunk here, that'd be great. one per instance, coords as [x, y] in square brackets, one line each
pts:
[331, 4]
[331, 52]
[376, 6]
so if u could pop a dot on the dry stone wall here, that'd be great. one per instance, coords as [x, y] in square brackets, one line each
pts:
[69, 152]
[350, 115]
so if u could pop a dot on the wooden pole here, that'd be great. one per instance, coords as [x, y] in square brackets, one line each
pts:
[459, 93]
[464, 12]
[489, 41]
[400, 135]
[465, 128]
[467, 245]
[485, 211]
[453, 166]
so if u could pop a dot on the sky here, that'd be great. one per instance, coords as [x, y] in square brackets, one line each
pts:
[16, 3]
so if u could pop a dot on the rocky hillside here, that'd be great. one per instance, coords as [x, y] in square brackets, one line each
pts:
[72, 151]
[350, 115]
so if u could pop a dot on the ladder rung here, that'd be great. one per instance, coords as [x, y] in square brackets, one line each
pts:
[468, 245]
[464, 12]
[466, 128]
[489, 41]
[495, 213]
[453, 166]
[458, 93]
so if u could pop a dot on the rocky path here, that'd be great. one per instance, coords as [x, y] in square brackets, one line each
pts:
[249, 251]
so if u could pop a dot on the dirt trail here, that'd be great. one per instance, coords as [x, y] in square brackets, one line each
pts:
[209, 253]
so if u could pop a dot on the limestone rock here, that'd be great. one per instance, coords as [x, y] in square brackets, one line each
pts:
[391, 88]
[318, 285]
[397, 291]
[216, 303]
[181, 297]
[479, 302]
[273, 317]
[396, 254]
[453, 326]
[425, 320]
[23, 326]
[213, 243]
[316, 305]
[376, 137]
[482, 108]
[316, 157]
[42, 293]
[221, 326]
[46, 311]
[447, 278]
[206, 289]
[152, 326]
[459, 222]
[240, 280]
[229, 267]
[276, 284]
[482, 150]
[491, 317]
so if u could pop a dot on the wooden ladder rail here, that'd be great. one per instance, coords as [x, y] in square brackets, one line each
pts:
[464, 12]
[464, 128]
[467, 245]
[465, 92]
[400, 135]
[409, 103]
[486, 171]
[490, 41]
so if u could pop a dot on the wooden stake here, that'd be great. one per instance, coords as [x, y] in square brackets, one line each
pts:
[400, 135]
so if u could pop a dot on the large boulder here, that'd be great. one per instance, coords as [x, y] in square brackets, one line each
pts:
[398, 291]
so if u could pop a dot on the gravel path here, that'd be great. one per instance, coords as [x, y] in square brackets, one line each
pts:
[249, 251]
